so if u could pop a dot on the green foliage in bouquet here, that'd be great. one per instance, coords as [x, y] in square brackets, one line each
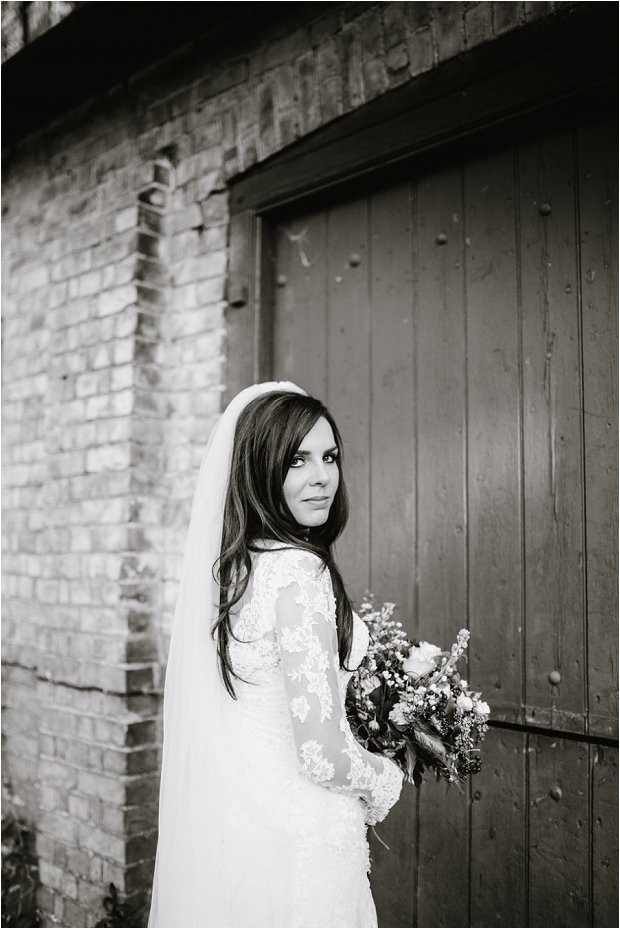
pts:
[408, 701]
[120, 914]
[19, 874]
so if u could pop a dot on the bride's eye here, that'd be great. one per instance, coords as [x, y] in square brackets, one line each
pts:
[297, 461]
[330, 457]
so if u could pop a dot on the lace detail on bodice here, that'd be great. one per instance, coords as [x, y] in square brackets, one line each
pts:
[286, 631]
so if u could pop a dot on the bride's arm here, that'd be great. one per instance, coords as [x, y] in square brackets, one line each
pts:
[308, 644]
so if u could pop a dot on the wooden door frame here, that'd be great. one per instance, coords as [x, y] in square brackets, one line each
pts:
[565, 62]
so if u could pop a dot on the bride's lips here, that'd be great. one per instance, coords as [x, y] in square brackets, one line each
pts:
[318, 502]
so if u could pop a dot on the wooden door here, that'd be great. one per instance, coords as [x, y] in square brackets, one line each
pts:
[460, 325]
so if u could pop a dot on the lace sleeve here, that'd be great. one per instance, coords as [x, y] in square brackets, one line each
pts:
[307, 638]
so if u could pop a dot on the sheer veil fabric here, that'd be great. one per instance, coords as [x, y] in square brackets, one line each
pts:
[211, 869]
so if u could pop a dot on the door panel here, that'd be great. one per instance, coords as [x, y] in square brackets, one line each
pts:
[598, 271]
[559, 891]
[499, 859]
[493, 433]
[552, 452]
[459, 325]
[441, 523]
[347, 386]
[300, 336]
[604, 763]
[392, 476]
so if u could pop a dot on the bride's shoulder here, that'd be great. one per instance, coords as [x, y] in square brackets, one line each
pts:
[278, 557]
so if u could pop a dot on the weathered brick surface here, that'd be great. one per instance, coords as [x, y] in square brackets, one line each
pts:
[23, 22]
[114, 273]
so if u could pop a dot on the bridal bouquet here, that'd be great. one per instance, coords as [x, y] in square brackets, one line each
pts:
[407, 701]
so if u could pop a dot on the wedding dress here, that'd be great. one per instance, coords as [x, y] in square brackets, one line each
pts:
[263, 799]
[320, 785]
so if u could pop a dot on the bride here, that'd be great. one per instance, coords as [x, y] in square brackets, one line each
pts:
[265, 794]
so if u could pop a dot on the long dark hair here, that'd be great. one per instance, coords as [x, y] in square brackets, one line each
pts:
[269, 432]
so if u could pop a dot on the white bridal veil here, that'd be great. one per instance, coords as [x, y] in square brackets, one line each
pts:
[216, 844]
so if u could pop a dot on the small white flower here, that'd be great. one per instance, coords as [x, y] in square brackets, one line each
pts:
[483, 708]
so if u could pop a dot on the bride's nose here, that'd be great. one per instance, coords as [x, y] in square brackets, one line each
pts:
[319, 475]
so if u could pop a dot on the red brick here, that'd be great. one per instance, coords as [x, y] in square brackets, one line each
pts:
[138, 876]
[46, 899]
[282, 50]
[143, 789]
[478, 24]
[308, 91]
[447, 29]
[375, 78]
[57, 774]
[288, 127]
[394, 17]
[78, 862]
[222, 78]
[76, 915]
[397, 61]
[538, 10]
[285, 87]
[79, 807]
[142, 818]
[109, 847]
[421, 51]
[100, 787]
[266, 120]
[352, 93]
[141, 848]
[59, 827]
[507, 16]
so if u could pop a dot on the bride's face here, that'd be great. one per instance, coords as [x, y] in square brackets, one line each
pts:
[313, 476]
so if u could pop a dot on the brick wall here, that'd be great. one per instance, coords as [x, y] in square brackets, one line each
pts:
[114, 271]
[23, 22]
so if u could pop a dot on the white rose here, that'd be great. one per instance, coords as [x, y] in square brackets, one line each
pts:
[421, 660]
[464, 703]
[397, 716]
[483, 708]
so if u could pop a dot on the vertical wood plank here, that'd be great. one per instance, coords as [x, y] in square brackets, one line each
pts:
[441, 518]
[598, 195]
[240, 312]
[348, 380]
[299, 333]
[559, 833]
[393, 497]
[553, 486]
[493, 438]
[443, 855]
[499, 833]
[392, 399]
[440, 397]
[604, 836]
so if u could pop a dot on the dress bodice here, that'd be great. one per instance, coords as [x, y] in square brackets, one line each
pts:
[292, 690]
[254, 653]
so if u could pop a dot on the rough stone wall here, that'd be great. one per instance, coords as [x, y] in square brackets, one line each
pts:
[114, 270]
[24, 22]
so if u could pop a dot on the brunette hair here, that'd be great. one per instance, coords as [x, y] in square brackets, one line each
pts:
[269, 432]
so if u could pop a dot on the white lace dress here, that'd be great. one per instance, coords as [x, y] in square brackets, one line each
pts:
[323, 786]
